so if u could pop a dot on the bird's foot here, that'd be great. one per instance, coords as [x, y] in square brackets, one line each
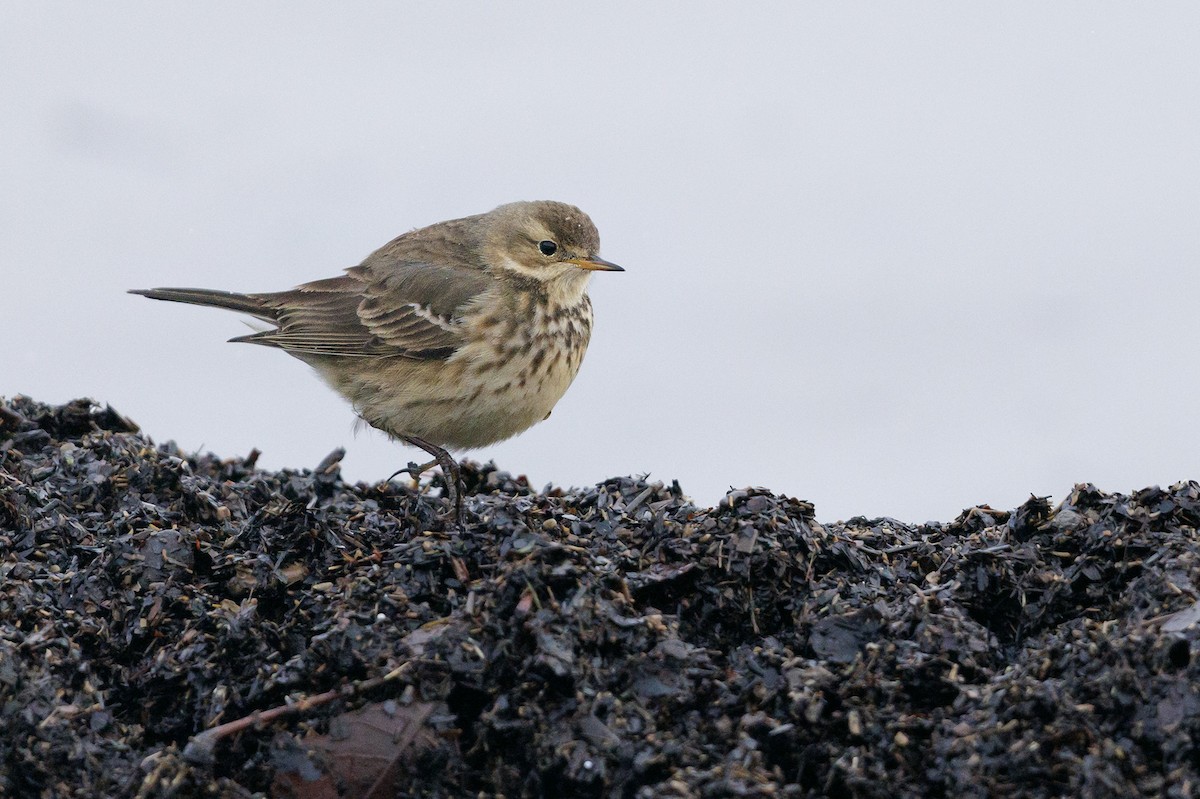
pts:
[413, 470]
[450, 473]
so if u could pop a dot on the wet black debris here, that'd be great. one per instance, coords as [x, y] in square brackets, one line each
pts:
[184, 625]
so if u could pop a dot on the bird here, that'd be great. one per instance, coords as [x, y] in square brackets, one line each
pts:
[456, 335]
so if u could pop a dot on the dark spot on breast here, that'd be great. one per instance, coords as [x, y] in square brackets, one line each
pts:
[488, 365]
[538, 357]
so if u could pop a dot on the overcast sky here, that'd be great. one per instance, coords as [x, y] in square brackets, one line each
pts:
[895, 259]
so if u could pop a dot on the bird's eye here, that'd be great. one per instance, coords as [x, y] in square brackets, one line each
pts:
[547, 247]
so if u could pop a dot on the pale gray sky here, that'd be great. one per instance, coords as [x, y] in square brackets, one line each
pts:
[894, 259]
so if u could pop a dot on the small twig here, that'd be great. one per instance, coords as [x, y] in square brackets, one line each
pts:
[642, 497]
[201, 747]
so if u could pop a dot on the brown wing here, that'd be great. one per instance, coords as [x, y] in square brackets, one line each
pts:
[405, 300]
[396, 309]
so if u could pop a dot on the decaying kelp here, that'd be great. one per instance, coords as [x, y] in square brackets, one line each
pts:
[178, 625]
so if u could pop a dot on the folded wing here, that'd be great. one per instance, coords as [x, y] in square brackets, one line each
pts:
[395, 309]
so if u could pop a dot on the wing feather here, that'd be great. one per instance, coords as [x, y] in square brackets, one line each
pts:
[381, 308]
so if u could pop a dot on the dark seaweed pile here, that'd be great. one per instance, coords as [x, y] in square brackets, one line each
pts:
[609, 641]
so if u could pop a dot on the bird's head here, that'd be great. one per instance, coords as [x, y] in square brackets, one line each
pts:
[549, 242]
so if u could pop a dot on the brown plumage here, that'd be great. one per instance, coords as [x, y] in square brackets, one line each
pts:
[458, 334]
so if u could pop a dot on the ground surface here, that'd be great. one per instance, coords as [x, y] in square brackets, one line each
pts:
[610, 641]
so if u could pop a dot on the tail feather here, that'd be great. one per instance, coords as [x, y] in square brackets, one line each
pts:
[243, 303]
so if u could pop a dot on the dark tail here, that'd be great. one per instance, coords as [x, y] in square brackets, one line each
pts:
[243, 303]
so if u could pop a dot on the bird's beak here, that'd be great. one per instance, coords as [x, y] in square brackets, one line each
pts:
[595, 264]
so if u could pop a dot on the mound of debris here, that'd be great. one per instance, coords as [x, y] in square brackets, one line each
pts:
[184, 625]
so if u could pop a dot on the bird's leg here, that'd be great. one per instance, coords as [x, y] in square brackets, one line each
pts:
[450, 470]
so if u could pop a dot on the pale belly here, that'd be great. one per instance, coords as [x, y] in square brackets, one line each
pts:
[477, 397]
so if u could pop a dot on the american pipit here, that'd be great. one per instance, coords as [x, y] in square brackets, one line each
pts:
[457, 335]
